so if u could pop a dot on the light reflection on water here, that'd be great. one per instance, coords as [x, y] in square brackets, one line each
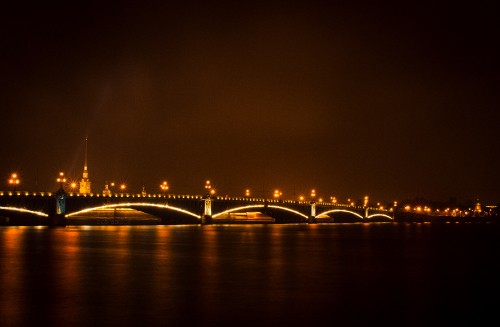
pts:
[280, 275]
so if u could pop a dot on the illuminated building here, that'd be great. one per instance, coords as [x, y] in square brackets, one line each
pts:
[106, 191]
[477, 209]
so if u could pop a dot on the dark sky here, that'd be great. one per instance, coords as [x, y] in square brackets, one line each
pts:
[391, 99]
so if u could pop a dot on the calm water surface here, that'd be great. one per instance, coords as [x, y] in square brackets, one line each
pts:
[396, 274]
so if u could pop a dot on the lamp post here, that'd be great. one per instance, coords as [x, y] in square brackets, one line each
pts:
[247, 192]
[61, 180]
[164, 187]
[209, 189]
[122, 188]
[14, 180]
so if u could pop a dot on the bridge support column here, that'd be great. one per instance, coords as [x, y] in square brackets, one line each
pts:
[57, 214]
[206, 218]
[365, 218]
[312, 216]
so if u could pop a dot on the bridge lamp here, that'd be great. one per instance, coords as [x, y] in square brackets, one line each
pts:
[247, 192]
[313, 193]
[301, 198]
[73, 186]
[61, 179]
[122, 187]
[333, 199]
[277, 194]
[14, 180]
[164, 187]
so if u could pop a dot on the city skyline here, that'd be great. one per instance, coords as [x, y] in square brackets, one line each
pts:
[392, 100]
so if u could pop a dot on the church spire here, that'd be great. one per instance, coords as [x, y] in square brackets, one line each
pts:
[85, 182]
[86, 141]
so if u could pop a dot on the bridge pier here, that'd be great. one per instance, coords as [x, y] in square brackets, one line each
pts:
[58, 209]
[206, 218]
[312, 217]
[365, 218]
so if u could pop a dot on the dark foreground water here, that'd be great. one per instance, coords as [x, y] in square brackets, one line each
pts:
[386, 274]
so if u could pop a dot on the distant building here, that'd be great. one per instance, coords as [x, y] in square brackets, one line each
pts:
[85, 182]
[478, 211]
[106, 191]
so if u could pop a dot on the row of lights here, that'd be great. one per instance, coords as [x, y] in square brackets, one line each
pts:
[14, 181]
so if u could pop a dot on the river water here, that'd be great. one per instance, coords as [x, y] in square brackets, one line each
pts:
[360, 274]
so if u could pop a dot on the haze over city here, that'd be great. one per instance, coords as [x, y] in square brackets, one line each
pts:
[391, 100]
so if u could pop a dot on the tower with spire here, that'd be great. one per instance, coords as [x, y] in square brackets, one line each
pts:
[85, 182]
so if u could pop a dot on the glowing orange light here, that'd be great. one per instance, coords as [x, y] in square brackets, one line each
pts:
[14, 179]
[61, 178]
[164, 186]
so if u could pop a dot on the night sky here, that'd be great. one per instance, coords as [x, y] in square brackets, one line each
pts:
[395, 100]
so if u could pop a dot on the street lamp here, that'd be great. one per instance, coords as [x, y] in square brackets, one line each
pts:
[277, 194]
[247, 192]
[14, 180]
[61, 180]
[209, 189]
[164, 187]
[122, 188]
[313, 194]
[73, 186]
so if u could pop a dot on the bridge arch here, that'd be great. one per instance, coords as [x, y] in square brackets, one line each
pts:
[238, 209]
[289, 210]
[380, 215]
[341, 210]
[259, 206]
[23, 210]
[139, 204]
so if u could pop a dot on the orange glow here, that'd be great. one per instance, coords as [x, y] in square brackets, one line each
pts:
[164, 186]
[61, 178]
[14, 179]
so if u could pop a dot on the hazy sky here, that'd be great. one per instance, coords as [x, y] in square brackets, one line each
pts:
[390, 99]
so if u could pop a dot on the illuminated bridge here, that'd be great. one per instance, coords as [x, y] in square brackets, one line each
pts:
[61, 208]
